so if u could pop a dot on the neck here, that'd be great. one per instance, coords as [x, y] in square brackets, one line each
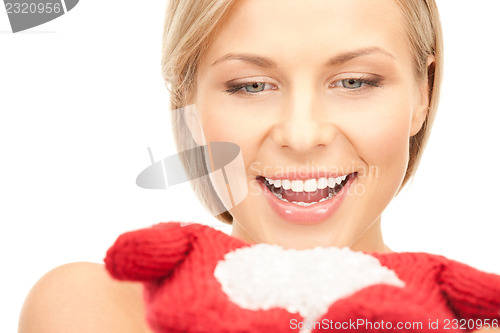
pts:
[371, 240]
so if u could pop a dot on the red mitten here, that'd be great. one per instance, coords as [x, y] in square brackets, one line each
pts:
[472, 294]
[176, 263]
[149, 254]
[438, 294]
[198, 279]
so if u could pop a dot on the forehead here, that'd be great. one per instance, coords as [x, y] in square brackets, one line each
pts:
[312, 30]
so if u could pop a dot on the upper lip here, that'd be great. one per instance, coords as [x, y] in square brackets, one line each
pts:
[303, 176]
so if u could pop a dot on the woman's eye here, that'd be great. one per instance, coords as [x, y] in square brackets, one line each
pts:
[352, 83]
[250, 88]
[349, 83]
[355, 84]
[255, 87]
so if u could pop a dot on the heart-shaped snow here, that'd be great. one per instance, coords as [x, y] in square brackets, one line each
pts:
[307, 282]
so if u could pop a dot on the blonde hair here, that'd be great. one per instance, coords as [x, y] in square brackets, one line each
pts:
[190, 26]
[423, 27]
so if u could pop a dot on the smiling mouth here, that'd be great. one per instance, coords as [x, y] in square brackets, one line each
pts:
[306, 192]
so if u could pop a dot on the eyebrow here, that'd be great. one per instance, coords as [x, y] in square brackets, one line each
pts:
[345, 57]
[253, 59]
[335, 61]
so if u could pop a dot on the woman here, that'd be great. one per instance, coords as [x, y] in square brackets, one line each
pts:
[320, 98]
[331, 103]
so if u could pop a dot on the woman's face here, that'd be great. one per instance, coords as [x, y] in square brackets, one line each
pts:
[313, 91]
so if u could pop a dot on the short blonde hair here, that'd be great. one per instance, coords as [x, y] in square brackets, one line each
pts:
[190, 26]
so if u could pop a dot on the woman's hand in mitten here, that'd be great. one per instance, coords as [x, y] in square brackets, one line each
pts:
[148, 254]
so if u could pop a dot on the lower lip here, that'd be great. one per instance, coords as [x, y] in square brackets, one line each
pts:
[313, 214]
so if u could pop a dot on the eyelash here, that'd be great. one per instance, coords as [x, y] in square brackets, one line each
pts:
[238, 88]
[364, 81]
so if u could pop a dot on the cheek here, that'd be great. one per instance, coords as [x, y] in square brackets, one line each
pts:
[381, 136]
[225, 127]
[386, 142]
[225, 123]
[245, 122]
[221, 124]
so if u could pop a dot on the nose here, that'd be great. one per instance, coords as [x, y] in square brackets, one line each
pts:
[304, 123]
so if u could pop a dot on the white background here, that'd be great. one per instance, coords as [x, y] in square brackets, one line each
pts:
[81, 99]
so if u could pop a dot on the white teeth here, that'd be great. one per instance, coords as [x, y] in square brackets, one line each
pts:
[304, 204]
[297, 185]
[322, 183]
[332, 182]
[310, 185]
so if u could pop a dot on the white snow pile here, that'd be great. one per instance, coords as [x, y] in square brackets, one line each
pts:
[307, 282]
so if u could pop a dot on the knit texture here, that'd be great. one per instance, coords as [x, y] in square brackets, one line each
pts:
[176, 263]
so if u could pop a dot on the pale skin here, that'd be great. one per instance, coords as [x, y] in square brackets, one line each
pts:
[305, 118]
[301, 111]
